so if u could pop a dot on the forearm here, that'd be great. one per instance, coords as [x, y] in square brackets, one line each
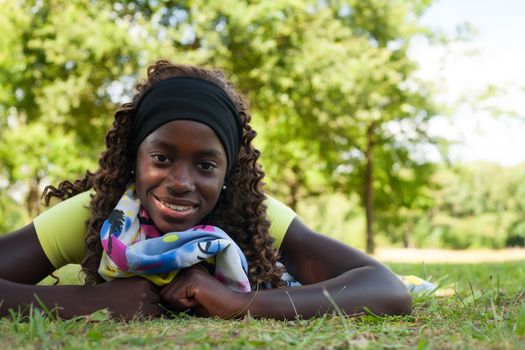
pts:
[371, 287]
[63, 301]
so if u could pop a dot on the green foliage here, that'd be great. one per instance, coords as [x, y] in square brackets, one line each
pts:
[33, 155]
[476, 205]
[485, 230]
[12, 214]
[49, 154]
[63, 65]
[477, 188]
[332, 91]
[14, 22]
[318, 74]
[481, 204]
[516, 233]
[64, 58]
[335, 216]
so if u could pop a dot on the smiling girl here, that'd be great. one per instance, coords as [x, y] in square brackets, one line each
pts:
[175, 216]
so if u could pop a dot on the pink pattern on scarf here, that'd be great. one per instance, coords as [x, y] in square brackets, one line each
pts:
[150, 231]
[118, 253]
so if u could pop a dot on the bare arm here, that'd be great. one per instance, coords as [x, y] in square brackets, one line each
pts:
[22, 259]
[23, 263]
[353, 280]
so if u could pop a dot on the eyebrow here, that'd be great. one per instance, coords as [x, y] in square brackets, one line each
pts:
[211, 153]
[208, 152]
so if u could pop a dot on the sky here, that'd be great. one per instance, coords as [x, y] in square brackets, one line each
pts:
[495, 55]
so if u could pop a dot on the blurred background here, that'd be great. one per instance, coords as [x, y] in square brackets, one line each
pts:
[383, 123]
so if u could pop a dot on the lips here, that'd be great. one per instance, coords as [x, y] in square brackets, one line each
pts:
[175, 208]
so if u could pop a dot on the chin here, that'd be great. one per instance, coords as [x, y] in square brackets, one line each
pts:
[166, 227]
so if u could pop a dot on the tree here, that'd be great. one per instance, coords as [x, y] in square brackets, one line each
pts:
[63, 62]
[63, 65]
[48, 159]
[330, 82]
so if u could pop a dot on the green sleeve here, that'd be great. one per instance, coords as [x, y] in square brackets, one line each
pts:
[61, 230]
[280, 217]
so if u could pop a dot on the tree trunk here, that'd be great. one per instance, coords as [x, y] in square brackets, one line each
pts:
[295, 185]
[407, 234]
[33, 198]
[294, 196]
[368, 192]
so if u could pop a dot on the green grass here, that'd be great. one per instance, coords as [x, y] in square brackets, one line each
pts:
[476, 306]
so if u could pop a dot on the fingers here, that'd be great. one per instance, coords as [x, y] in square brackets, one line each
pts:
[181, 293]
[178, 295]
[131, 297]
[184, 303]
[153, 310]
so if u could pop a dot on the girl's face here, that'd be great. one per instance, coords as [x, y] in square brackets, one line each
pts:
[179, 174]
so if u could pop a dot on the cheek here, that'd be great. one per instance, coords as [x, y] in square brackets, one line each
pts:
[140, 170]
[146, 177]
[213, 188]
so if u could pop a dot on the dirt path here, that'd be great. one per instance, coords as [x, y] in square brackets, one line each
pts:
[448, 256]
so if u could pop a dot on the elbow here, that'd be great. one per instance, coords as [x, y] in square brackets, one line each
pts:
[400, 303]
[398, 300]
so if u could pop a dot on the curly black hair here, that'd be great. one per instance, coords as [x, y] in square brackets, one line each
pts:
[240, 210]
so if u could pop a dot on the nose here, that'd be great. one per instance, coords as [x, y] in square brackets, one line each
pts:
[180, 179]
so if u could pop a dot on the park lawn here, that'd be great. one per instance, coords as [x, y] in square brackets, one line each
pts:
[476, 306]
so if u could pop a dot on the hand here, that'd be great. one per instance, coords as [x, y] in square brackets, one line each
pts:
[127, 298]
[196, 289]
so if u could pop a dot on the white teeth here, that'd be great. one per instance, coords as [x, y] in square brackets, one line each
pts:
[177, 207]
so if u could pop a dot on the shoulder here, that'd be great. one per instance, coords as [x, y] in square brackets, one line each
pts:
[69, 209]
[280, 217]
[61, 229]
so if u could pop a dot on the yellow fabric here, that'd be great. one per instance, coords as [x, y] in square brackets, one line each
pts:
[61, 229]
[280, 217]
[158, 279]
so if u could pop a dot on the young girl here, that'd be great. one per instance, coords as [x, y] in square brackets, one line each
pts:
[180, 156]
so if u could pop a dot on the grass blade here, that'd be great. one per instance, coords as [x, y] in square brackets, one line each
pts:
[520, 322]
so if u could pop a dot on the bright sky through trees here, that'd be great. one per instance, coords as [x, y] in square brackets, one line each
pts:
[495, 55]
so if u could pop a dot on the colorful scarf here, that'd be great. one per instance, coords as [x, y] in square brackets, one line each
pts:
[132, 246]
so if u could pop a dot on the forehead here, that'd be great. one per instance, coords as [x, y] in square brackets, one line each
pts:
[184, 133]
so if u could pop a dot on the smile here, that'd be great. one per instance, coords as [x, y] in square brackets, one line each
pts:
[177, 207]
[182, 209]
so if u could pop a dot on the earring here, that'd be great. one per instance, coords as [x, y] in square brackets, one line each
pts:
[132, 172]
[224, 188]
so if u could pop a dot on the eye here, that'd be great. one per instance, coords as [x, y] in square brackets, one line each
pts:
[207, 166]
[160, 158]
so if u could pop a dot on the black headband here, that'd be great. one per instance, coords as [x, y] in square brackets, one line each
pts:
[186, 98]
